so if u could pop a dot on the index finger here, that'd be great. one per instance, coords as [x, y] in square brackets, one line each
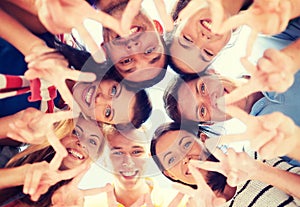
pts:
[241, 92]
[165, 17]
[234, 22]
[56, 161]
[78, 178]
[107, 21]
[56, 144]
[238, 113]
[217, 13]
[132, 9]
[176, 200]
[201, 184]
[60, 116]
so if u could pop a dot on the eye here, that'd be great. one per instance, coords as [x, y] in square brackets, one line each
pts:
[137, 152]
[188, 39]
[202, 88]
[210, 54]
[187, 145]
[76, 133]
[203, 111]
[107, 112]
[113, 91]
[117, 153]
[171, 160]
[126, 61]
[93, 142]
[149, 50]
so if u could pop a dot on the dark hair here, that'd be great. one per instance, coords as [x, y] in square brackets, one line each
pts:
[171, 96]
[147, 83]
[181, 4]
[215, 180]
[142, 111]
[45, 154]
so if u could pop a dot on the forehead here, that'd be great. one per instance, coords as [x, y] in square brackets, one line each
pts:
[128, 140]
[169, 139]
[87, 124]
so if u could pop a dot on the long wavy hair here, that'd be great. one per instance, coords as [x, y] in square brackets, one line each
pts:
[33, 154]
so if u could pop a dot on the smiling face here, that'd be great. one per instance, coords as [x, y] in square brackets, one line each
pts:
[128, 158]
[174, 149]
[197, 99]
[107, 101]
[194, 45]
[86, 141]
[141, 55]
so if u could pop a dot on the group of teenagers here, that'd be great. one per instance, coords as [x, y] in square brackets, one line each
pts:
[70, 97]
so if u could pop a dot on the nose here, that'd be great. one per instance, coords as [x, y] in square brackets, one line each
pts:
[127, 161]
[213, 99]
[133, 45]
[186, 159]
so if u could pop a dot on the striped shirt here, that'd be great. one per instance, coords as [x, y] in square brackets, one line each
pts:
[254, 193]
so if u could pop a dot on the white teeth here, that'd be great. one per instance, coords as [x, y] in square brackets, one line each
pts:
[75, 153]
[129, 173]
[133, 30]
[88, 97]
[206, 24]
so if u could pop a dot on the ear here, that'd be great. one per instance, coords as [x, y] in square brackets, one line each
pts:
[203, 137]
[158, 27]
[169, 174]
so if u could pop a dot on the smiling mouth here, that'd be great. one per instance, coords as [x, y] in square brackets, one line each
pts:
[74, 153]
[89, 95]
[129, 174]
[135, 29]
[206, 23]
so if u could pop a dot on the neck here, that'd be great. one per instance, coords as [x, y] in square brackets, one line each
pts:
[228, 192]
[251, 100]
[128, 196]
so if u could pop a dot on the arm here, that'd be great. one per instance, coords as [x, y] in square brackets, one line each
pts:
[293, 52]
[284, 180]
[13, 176]
[15, 33]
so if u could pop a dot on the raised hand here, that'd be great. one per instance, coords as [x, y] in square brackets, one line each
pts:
[71, 195]
[53, 67]
[274, 72]
[264, 16]
[35, 127]
[132, 9]
[41, 176]
[52, 12]
[203, 196]
[238, 167]
[270, 135]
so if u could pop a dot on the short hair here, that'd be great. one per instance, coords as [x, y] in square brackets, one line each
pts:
[171, 96]
[142, 111]
[180, 5]
[148, 83]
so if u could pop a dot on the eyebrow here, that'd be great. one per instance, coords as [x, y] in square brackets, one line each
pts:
[166, 155]
[79, 127]
[182, 139]
[187, 47]
[156, 59]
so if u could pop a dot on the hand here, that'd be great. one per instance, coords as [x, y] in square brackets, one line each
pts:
[264, 16]
[132, 9]
[204, 192]
[272, 73]
[52, 12]
[52, 67]
[35, 127]
[238, 167]
[71, 195]
[42, 175]
[270, 135]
